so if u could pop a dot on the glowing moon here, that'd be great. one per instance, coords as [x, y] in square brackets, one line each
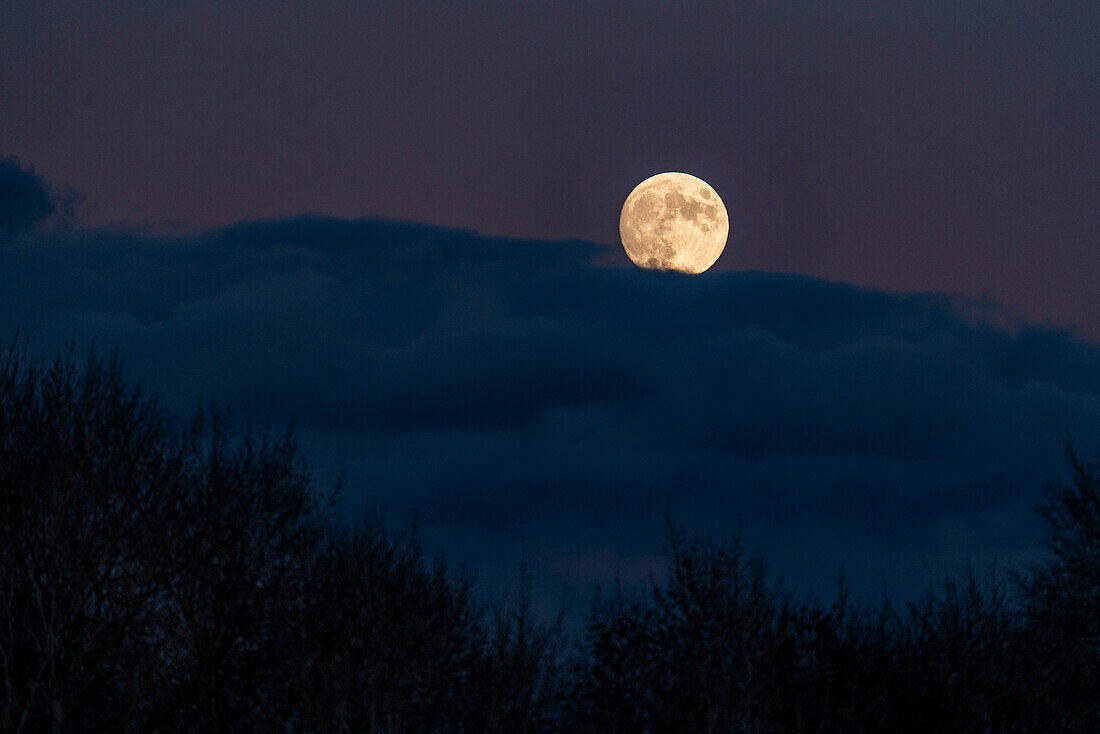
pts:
[673, 221]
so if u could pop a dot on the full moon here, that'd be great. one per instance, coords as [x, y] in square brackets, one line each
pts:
[674, 221]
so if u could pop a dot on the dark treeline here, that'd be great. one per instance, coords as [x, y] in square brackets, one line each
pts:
[153, 579]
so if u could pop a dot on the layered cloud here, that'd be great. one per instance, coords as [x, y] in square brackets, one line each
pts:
[517, 396]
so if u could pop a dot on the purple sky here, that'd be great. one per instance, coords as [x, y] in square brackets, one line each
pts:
[921, 146]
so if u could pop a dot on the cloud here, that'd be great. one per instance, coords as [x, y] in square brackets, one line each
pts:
[517, 396]
[25, 198]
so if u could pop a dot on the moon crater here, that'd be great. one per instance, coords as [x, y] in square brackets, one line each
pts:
[674, 221]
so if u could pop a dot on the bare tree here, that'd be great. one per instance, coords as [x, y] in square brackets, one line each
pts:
[147, 577]
[161, 580]
[153, 579]
[84, 463]
[1064, 604]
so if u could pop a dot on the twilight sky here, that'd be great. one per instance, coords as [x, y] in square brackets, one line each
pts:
[283, 205]
[910, 146]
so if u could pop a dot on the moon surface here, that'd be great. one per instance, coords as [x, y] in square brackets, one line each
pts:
[674, 221]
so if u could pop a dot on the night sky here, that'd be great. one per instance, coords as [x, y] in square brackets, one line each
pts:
[396, 225]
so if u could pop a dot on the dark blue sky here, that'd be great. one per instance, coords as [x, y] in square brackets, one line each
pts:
[881, 371]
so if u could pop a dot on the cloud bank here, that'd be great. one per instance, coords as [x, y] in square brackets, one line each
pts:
[517, 397]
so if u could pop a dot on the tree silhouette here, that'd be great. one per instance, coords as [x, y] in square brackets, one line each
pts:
[1064, 604]
[88, 473]
[155, 579]
[692, 654]
[716, 649]
[162, 580]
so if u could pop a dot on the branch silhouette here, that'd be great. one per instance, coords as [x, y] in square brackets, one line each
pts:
[155, 579]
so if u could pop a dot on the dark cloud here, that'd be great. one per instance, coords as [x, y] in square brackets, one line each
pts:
[27, 199]
[24, 197]
[518, 395]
